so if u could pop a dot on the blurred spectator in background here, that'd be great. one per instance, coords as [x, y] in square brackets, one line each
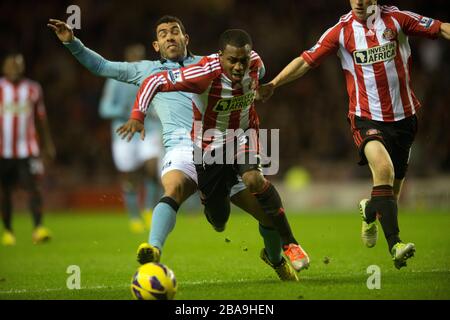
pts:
[23, 133]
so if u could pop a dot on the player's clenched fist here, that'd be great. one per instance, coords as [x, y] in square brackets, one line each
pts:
[63, 31]
[265, 91]
[128, 130]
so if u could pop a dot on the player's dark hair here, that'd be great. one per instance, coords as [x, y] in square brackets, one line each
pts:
[168, 19]
[234, 37]
[9, 54]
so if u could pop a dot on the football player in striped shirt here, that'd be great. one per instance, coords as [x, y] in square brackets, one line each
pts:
[376, 59]
[224, 87]
[24, 133]
[179, 177]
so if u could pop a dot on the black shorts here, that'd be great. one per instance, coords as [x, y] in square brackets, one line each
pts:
[397, 137]
[216, 178]
[24, 172]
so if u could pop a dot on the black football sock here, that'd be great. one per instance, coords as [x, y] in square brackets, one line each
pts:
[383, 206]
[36, 208]
[6, 207]
[270, 201]
[272, 244]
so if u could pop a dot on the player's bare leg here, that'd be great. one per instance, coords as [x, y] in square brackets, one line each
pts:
[177, 188]
[383, 203]
[247, 202]
[270, 201]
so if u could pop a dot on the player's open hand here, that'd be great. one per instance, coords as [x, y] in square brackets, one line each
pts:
[127, 130]
[62, 30]
[265, 91]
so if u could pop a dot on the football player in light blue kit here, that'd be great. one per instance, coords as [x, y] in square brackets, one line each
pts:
[137, 161]
[178, 176]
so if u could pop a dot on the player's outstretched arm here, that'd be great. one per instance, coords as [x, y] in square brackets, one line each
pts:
[127, 130]
[91, 60]
[294, 70]
[445, 31]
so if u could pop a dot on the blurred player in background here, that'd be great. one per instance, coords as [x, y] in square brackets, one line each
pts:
[376, 58]
[224, 87]
[24, 132]
[178, 176]
[137, 161]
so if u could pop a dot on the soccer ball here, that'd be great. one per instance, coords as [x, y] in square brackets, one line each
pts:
[153, 281]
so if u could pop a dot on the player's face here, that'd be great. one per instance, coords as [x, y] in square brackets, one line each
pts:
[14, 67]
[359, 8]
[170, 41]
[235, 61]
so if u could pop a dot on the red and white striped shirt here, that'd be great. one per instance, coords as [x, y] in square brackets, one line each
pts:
[20, 103]
[376, 61]
[218, 103]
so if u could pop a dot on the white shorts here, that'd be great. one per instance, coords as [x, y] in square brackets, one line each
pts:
[130, 156]
[182, 159]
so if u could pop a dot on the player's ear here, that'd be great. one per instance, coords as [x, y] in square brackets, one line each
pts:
[220, 53]
[186, 37]
[155, 46]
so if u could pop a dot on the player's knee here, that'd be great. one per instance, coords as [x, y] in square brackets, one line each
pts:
[178, 190]
[254, 180]
[384, 172]
[174, 191]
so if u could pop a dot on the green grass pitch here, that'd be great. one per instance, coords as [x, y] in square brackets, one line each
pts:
[208, 266]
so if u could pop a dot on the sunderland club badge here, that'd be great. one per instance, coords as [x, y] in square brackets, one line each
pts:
[389, 34]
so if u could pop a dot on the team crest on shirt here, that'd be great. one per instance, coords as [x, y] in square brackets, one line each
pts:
[382, 53]
[372, 132]
[389, 34]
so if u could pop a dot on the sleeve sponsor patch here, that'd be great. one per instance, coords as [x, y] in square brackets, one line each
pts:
[426, 22]
[314, 48]
[174, 76]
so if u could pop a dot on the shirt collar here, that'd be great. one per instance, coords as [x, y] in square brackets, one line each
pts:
[181, 62]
